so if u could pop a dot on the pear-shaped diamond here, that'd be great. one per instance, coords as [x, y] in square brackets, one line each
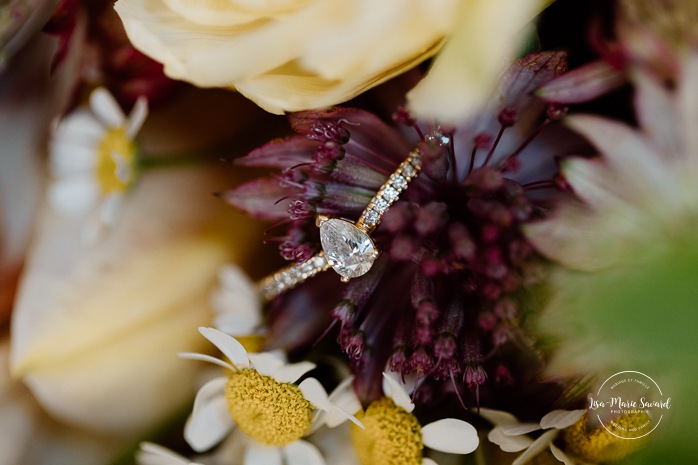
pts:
[348, 249]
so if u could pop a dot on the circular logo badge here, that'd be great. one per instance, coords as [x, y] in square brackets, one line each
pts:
[629, 405]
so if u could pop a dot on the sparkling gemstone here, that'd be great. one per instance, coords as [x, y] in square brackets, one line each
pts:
[390, 194]
[399, 182]
[408, 171]
[380, 205]
[371, 217]
[348, 249]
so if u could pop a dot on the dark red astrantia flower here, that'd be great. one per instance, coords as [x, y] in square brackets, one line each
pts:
[445, 299]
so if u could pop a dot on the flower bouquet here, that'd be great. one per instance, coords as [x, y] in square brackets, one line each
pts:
[328, 232]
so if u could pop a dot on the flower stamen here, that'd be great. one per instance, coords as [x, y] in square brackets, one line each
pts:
[116, 161]
[599, 445]
[270, 412]
[392, 435]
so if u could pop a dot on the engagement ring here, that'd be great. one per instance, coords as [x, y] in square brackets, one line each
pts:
[347, 247]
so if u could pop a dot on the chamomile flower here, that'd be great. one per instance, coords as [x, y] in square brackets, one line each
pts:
[565, 438]
[512, 436]
[392, 435]
[259, 397]
[93, 159]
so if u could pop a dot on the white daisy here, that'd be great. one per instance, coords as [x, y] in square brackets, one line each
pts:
[578, 443]
[392, 435]
[93, 158]
[259, 397]
[512, 436]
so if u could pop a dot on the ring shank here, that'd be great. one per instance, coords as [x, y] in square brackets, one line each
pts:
[289, 277]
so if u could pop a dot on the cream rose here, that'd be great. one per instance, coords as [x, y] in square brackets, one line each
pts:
[288, 55]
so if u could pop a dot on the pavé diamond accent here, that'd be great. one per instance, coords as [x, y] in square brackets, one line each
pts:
[408, 170]
[380, 205]
[390, 194]
[399, 182]
[371, 217]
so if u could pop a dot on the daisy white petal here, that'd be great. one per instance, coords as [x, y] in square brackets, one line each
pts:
[206, 358]
[428, 461]
[561, 456]
[315, 394]
[538, 446]
[450, 435]
[209, 421]
[393, 389]
[79, 128]
[302, 453]
[67, 158]
[498, 417]
[266, 363]
[154, 454]
[236, 302]
[137, 117]
[228, 345]
[508, 443]
[342, 402]
[109, 209]
[332, 414]
[561, 419]
[106, 108]
[257, 454]
[344, 397]
[292, 372]
[73, 194]
[521, 428]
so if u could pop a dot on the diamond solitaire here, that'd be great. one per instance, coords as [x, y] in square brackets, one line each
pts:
[349, 250]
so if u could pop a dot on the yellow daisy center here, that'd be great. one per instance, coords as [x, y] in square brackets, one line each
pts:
[598, 445]
[392, 436]
[271, 413]
[116, 159]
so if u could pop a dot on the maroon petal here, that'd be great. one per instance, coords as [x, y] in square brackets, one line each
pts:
[347, 199]
[583, 84]
[281, 153]
[371, 138]
[298, 317]
[520, 83]
[515, 108]
[260, 198]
